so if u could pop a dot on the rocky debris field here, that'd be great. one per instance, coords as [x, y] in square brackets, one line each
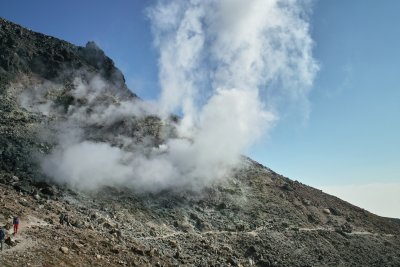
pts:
[257, 218]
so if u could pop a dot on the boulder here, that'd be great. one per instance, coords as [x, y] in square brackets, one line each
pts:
[64, 250]
[346, 227]
[140, 250]
[326, 211]
[335, 211]
[115, 250]
[173, 243]
[287, 187]
[307, 202]
[10, 241]
[107, 225]
[50, 191]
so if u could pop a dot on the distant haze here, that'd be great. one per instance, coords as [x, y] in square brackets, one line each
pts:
[379, 198]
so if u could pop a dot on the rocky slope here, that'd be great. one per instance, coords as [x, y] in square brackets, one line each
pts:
[256, 217]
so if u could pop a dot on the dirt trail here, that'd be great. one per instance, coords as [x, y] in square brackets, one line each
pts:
[305, 229]
[202, 234]
[253, 233]
[23, 241]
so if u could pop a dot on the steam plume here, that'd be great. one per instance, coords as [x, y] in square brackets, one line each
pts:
[225, 67]
[228, 66]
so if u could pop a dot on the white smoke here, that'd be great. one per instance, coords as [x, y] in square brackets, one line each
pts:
[225, 67]
[228, 67]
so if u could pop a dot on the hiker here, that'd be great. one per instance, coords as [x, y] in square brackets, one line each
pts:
[64, 219]
[16, 224]
[2, 236]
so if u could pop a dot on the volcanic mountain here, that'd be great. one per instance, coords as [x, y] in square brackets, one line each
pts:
[254, 217]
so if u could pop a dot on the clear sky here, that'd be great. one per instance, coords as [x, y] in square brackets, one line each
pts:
[352, 135]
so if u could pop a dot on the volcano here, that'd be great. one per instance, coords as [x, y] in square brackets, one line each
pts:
[254, 217]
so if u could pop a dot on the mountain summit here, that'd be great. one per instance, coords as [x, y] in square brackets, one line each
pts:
[58, 100]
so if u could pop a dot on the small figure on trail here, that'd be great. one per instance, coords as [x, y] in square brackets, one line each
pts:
[16, 224]
[64, 219]
[2, 236]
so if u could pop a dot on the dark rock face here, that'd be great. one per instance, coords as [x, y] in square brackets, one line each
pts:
[254, 218]
[28, 59]
[24, 51]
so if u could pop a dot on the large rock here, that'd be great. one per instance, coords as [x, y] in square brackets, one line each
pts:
[10, 241]
[64, 250]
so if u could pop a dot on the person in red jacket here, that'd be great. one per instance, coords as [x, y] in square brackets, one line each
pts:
[16, 224]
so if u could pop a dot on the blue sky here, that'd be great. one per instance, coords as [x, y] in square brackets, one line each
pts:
[352, 135]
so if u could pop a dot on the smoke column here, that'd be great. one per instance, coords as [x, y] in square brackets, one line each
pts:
[227, 68]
